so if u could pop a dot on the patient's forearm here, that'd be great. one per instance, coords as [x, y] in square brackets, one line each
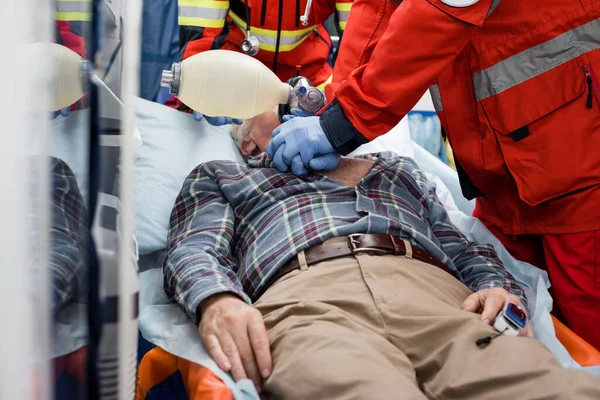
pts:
[199, 262]
[67, 235]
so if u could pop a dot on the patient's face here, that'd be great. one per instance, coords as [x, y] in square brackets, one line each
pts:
[259, 133]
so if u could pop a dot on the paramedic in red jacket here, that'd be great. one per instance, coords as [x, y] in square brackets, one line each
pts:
[287, 46]
[516, 85]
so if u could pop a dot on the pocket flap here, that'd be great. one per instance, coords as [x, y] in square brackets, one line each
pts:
[534, 98]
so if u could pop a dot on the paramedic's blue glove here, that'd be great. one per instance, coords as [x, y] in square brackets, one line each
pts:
[300, 144]
[64, 112]
[216, 121]
[296, 112]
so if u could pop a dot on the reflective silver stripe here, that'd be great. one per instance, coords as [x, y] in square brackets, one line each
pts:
[495, 4]
[203, 12]
[343, 15]
[283, 40]
[535, 61]
[73, 6]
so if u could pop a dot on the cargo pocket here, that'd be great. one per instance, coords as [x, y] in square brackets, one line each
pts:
[547, 132]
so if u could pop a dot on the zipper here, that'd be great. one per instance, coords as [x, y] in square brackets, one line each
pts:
[263, 13]
[322, 38]
[593, 87]
[297, 13]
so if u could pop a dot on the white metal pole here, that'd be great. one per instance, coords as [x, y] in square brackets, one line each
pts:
[24, 344]
[41, 30]
[128, 279]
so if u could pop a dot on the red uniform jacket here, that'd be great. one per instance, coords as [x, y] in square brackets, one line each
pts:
[286, 45]
[516, 85]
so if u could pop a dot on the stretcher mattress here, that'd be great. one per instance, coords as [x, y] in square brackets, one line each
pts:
[165, 325]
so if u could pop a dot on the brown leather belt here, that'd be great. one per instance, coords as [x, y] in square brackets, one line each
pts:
[356, 244]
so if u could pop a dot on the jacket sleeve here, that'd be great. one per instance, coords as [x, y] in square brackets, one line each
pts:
[199, 262]
[359, 38]
[202, 25]
[405, 60]
[342, 12]
[73, 25]
[68, 228]
[478, 264]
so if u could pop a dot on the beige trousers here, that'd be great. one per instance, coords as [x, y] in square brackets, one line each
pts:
[388, 327]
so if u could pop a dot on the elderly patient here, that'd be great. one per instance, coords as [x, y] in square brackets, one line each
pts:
[352, 285]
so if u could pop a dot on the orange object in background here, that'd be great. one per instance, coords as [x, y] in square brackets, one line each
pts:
[200, 383]
[582, 352]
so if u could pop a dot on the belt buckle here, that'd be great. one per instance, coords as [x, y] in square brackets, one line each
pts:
[355, 250]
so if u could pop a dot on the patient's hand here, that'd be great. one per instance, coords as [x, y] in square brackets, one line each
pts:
[489, 302]
[236, 338]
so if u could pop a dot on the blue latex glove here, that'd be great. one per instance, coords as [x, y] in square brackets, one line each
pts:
[216, 121]
[296, 112]
[300, 144]
[64, 112]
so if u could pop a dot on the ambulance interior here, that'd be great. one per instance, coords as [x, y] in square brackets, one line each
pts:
[135, 182]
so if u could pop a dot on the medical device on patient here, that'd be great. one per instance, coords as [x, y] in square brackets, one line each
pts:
[231, 84]
[306, 97]
[511, 320]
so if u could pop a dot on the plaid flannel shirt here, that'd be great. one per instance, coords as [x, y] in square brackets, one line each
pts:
[234, 225]
[68, 229]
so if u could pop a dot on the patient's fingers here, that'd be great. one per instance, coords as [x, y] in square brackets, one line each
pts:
[491, 308]
[211, 342]
[242, 341]
[260, 344]
[527, 332]
[224, 328]
[231, 351]
[472, 303]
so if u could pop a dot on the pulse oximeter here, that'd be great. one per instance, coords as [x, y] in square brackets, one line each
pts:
[511, 320]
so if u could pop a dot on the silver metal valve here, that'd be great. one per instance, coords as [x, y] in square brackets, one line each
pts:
[172, 78]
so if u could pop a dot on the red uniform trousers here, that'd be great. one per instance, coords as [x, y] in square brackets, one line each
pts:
[573, 265]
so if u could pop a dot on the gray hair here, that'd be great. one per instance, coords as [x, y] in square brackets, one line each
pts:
[239, 132]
